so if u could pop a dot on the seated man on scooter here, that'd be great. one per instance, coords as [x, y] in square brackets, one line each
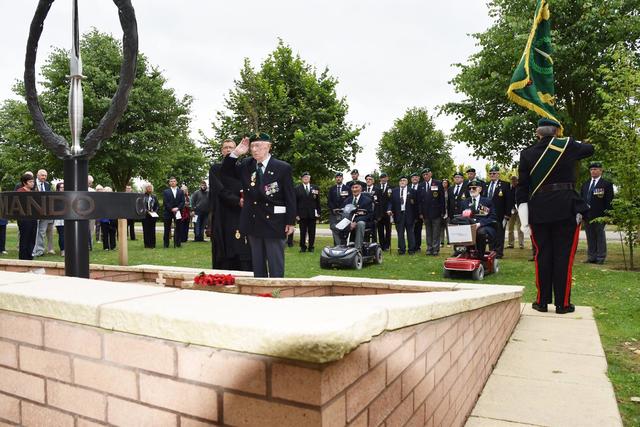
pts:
[364, 218]
[482, 210]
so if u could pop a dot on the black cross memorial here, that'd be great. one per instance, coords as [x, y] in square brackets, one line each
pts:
[76, 205]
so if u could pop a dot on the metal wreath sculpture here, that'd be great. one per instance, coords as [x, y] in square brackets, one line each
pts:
[56, 143]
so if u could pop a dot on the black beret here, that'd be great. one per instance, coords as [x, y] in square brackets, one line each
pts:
[494, 169]
[403, 176]
[368, 176]
[415, 174]
[305, 174]
[458, 174]
[471, 170]
[548, 122]
[425, 170]
[339, 174]
[595, 165]
[355, 171]
[260, 136]
[475, 183]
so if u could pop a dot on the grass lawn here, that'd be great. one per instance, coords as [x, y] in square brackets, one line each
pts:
[614, 294]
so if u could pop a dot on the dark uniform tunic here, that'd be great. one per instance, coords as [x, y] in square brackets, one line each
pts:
[384, 222]
[552, 218]
[501, 199]
[599, 198]
[308, 204]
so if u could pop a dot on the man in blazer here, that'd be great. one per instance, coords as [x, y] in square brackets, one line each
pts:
[481, 208]
[335, 200]
[308, 205]
[173, 202]
[498, 192]
[401, 208]
[45, 226]
[384, 221]
[372, 190]
[269, 209]
[457, 193]
[431, 201]
[598, 193]
[418, 222]
[363, 203]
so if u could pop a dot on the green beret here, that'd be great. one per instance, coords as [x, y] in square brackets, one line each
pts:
[305, 174]
[260, 136]
[425, 170]
[384, 175]
[403, 176]
[458, 174]
[368, 176]
[595, 165]
[415, 174]
[355, 171]
[471, 170]
[494, 169]
[548, 122]
[475, 183]
[338, 174]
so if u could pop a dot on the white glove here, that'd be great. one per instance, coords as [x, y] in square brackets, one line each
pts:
[523, 213]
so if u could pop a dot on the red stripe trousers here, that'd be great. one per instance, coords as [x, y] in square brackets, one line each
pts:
[555, 244]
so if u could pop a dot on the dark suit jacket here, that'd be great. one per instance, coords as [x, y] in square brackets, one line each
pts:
[375, 195]
[552, 206]
[307, 204]
[455, 203]
[487, 217]
[600, 198]
[269, 206]
[335, 198]
[501, 198]
[169, 202]
[365, 203]
[151, 203]
[395, 205]
[431, 200]
[47, 186]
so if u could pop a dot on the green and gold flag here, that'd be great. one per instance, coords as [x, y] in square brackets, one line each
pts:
[532, 81]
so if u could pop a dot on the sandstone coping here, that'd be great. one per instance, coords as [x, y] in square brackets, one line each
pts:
[314, 329]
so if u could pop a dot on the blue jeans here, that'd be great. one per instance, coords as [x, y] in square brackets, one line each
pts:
[199, 226]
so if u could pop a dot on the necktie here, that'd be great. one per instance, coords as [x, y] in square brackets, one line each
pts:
[591, 187]
[402, 196]
[491, 190]
[355, 201]
[475, 204]
[41, 186]
[455, 193]
[259, 172]
[306, 188]
[384, 188]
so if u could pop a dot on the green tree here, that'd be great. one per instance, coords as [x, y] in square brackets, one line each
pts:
[619, 127]
[151, 140]
[582, 31]
[412, 143]
[298, 107]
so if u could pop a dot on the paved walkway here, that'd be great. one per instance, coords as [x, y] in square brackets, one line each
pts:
[551, 373]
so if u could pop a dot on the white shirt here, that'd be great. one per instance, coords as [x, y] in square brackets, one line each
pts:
[594, 183]
[403, 198]
[265, 162]
[456, 191]
[427, 186]
[174, 191]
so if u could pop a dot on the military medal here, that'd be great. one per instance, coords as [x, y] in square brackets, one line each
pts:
[238, 234]
[500, 193]
[253, 179]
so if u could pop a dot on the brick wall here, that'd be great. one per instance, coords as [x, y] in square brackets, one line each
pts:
[64, 374]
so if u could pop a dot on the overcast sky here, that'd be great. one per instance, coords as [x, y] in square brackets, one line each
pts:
[387, 55]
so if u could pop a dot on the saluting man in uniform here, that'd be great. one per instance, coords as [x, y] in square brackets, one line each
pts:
[549, 205]
[269, 208]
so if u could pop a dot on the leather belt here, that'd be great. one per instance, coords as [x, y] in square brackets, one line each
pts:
[557, 187]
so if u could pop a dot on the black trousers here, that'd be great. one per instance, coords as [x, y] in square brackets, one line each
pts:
[132, 229]
[417, 234]
[3, 238]
[498, 243]
[168, 223]
[555, 244]
[108, 230]
[307, 228]
[384, 232]
[403, 227]
[267, 256]
[149, 232]
[483, 236]
[28, 230]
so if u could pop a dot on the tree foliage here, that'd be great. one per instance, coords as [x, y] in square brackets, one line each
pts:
[619, 129]
[151, 140]
[298, 107]
[413, 143]
[583, 32]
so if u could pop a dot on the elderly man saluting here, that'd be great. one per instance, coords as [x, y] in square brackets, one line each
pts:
[269, 207]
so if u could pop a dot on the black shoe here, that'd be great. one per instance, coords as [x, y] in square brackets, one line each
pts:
[290, 245]
[401, 252]
[499, 256]
[412, 253]
[510, 247]
[600, 261]
[564, 310]
[542, 308]
[303, 250]
[589, 261]
[311, 249]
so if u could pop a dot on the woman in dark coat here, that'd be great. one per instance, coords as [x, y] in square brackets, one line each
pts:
[149, 222]
[27, 227]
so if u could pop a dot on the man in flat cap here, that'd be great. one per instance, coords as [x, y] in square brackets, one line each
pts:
[308, 204]
[384, 221]
[549, 205]
[432, 209]
[498, 191]
[269, 208]
[598, 193]
[338, 193]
